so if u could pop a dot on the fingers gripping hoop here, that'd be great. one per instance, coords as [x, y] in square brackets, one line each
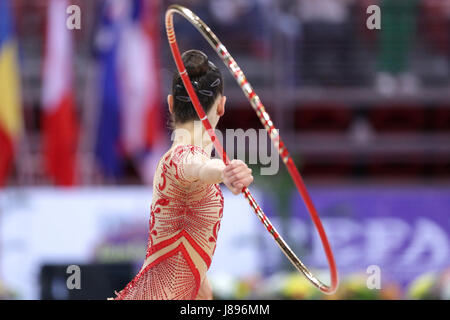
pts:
[271, 130]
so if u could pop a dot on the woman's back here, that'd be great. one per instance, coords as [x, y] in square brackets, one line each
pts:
[184, 223]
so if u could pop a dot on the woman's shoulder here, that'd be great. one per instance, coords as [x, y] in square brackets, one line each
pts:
[180, 157]
[182, 151]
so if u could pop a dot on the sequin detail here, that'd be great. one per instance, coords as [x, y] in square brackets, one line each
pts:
[184, 221]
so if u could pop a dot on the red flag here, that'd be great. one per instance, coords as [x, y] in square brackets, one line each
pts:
[6, 156]
[59, 119]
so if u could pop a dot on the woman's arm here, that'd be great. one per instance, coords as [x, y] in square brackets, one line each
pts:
[235, 176]
[211, 171]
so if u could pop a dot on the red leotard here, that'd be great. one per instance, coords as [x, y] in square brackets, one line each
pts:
[185, 219]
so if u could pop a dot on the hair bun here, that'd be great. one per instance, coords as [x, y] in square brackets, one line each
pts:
[196, 63]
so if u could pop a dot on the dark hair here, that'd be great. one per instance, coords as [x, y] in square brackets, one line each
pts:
[206, 80]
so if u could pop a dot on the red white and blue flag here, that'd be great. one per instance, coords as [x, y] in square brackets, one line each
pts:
[130, 123]
[60, 127]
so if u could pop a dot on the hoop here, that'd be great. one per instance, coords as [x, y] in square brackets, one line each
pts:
[271, 130]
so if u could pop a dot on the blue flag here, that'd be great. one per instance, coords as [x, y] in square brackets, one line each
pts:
[108, 149]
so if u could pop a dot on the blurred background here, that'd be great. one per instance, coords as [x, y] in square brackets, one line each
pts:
[365, 113]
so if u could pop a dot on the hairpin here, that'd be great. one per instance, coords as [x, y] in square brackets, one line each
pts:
[195, 84]
[206, 93]
[183, 98]
[215, 83]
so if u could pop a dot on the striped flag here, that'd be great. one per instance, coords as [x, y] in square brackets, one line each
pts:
[10, 98]
[131, 123]
[143, 126]
[59, 120]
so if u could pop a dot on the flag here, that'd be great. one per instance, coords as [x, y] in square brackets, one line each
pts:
[108, 150]
[60, 127]
[10, 98]
[130, 119]
[143, 127]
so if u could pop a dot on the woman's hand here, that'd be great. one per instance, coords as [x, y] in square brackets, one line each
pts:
[236, 176]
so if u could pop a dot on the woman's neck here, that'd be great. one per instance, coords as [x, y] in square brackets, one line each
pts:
[192, 133]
